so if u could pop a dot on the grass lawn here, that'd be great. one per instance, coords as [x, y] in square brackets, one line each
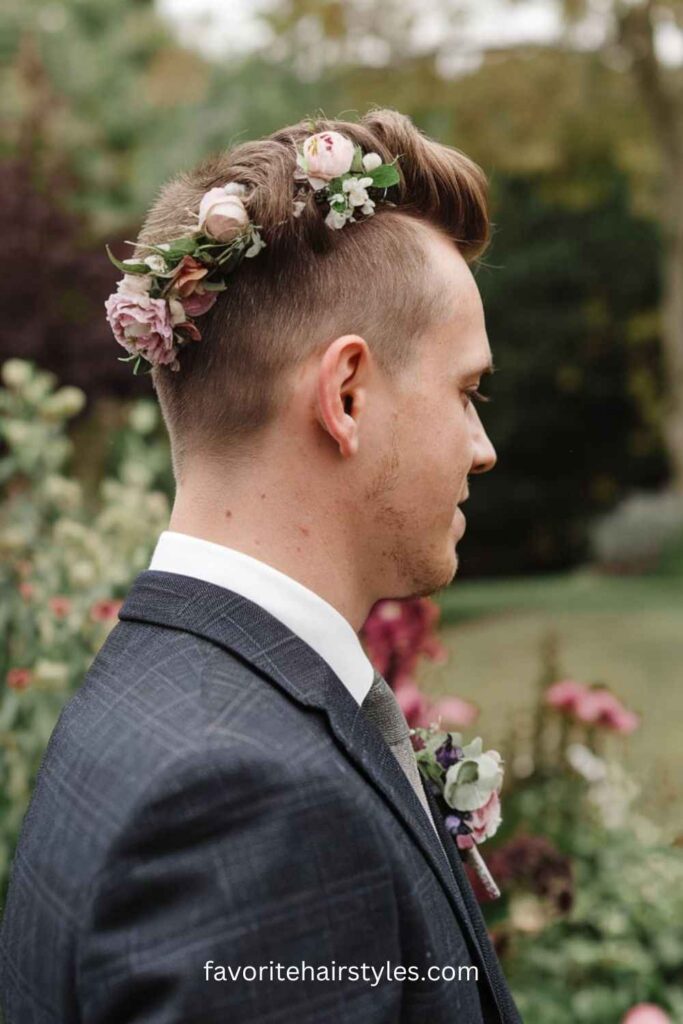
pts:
[624, 632]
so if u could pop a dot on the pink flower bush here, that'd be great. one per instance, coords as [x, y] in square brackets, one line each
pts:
[646, 1013]
[592, 706]
[19, 678]
[142, 325]
[103, 611]
[420, 712]
[565, 695]
[396, 633]
[60, 606]
[600, 707]
[327, 155]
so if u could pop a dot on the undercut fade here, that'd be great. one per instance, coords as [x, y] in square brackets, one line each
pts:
[311, 283]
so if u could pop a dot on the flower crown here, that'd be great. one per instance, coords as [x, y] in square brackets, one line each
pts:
[153, 309]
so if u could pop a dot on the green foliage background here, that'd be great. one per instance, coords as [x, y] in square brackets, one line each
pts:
[101, 102]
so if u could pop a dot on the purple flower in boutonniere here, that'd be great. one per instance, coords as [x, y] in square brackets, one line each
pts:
[466, 781]
[448, 754]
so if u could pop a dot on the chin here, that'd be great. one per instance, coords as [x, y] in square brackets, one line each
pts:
[436, 578]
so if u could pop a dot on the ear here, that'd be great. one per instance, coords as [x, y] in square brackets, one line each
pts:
[341, 390]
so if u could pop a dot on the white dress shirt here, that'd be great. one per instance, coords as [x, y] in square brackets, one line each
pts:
[303, 611]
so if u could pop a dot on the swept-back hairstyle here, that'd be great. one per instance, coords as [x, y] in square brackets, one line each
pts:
[311, 283]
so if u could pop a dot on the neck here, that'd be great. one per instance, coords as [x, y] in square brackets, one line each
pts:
[279, 520]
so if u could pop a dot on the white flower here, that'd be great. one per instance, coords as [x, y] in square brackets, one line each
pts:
[352, 183]
[257, 244]
[235, 188]
[469, 783]
[368, 208]
[335, 219]
[355, 189]
[16, 373]
[134, 284]
[156, 263]
[371, 161]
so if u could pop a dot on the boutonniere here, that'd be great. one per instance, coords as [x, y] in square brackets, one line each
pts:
[466, 781]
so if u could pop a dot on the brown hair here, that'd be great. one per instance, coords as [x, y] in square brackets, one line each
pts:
[311, 283]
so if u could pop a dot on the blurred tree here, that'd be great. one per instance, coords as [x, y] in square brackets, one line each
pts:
[636, 29]
[573, 416]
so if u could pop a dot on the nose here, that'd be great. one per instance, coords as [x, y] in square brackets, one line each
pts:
[484, 455]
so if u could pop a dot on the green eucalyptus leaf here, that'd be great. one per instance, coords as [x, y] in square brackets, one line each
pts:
[182, 246]
[357, 162]
[127, 268]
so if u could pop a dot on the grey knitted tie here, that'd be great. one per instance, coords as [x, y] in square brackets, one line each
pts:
[383, 710]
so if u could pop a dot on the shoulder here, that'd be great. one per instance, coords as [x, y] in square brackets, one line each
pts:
[167, 728]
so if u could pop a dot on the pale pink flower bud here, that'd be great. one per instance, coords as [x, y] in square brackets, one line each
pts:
[371, 161]
[327, 156]
[222, 215]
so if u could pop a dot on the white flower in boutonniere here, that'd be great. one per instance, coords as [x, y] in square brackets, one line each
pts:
[470, 782]
[466, 781]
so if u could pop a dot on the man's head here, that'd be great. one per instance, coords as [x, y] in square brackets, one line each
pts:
[344, 354]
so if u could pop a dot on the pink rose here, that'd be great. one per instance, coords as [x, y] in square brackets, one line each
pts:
[646, 1013]
[143, 326]
[565, 695]
[222, 215]
[327, 155]
[485, 821]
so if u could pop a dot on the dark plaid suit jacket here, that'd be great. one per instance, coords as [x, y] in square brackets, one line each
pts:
[214, 793]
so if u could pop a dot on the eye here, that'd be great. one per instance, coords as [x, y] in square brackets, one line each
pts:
[474, 394]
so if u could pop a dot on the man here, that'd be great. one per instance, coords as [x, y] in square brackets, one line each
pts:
[226, 825]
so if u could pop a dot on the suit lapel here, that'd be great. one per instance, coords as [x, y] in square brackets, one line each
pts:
[254, 635]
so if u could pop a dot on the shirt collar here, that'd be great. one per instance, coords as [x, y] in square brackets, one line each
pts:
[303, 611]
